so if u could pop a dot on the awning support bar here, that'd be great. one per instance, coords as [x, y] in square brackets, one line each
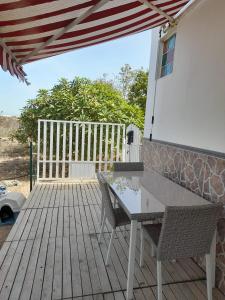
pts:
[158, 10]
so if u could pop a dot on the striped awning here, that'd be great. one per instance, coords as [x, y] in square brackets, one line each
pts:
[35, 29]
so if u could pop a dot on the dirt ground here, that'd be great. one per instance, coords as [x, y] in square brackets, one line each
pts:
[14, 165]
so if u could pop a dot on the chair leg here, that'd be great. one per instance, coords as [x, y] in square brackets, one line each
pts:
[159, 280]
[110, 247]
[102, 226]
[142, 248]
[209, 276]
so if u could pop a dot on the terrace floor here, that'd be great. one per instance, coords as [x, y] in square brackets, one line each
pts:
[52, 252]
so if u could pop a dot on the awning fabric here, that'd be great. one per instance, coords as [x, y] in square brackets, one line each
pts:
[35, 29]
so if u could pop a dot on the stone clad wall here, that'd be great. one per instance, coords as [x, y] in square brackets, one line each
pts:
[201, 173]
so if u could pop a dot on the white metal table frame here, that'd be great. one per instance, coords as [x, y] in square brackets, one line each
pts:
[132, 248]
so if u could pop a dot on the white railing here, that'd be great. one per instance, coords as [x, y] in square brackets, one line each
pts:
[64, 144]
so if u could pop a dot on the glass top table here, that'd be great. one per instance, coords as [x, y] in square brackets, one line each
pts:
[144, 195]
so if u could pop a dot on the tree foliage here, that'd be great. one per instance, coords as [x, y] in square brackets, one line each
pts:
[77, 100]
[133, 84]
[138, 90]
[126, 78]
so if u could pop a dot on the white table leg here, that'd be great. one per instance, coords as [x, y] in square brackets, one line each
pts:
[213, 259]
[131, 261]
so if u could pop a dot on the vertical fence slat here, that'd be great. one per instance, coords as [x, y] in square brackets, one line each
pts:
[106, 147]
[89, 143]
[51, 149]
[77, 142]
[57, 150]
[70, 141]
[118, 143]
[100, 147]
[70, 146]
[112, 144]
[64, 150]
[38, 150]
[123, 144]
[44, 148]
[82, 142]
[95, 142]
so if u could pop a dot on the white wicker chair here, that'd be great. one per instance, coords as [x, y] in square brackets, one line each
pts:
[116, 216]
[185, 232]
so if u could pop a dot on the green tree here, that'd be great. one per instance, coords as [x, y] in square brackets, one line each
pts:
[138, 90]
[77, 100]
[126, 78]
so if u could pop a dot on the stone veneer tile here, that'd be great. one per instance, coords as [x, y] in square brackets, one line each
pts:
[214, 180]
[164, 159]
[192, 171]
[172, 163]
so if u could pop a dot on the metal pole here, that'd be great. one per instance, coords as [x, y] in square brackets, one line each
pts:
[31, 165]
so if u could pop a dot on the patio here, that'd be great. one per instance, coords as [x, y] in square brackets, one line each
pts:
[52, 252]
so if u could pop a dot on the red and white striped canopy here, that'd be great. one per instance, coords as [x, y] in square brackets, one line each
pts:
[35, 29]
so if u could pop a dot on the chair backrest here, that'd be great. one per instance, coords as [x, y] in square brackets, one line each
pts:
[128, 166]
[106, 200]
[187, 231]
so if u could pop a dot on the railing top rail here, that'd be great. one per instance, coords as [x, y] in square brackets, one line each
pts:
[80, 122]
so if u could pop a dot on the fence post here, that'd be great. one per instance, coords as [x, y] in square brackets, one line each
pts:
[31, 165]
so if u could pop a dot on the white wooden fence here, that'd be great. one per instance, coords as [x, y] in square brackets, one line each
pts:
[64, 144]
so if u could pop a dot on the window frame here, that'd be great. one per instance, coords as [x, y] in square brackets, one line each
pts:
[162, 40]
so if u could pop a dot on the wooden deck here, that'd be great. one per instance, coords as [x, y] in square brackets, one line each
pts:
[52, 252]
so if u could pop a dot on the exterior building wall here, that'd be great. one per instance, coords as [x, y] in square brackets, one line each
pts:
[190, 102]
[202, 173]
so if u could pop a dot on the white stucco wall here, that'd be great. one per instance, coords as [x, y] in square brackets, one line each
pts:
[190, 102]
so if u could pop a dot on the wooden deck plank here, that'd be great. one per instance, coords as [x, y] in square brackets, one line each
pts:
[30, 272]
[33, 230]
[54, 223]
[29, 224]
[18, 283]
[111, 271]
[66, 221]
[40, 269]
[94, 276]
[41, 224]
[49, 269]
[67, 273]
[51, 202]
[5, 267]
[3, 252]
[102, 269]
[75, 268]
[9, 280]
[58, 188]
[84, 270]
[57, 277]
[46, 196]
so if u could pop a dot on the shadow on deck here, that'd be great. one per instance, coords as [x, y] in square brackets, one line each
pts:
[52, 252]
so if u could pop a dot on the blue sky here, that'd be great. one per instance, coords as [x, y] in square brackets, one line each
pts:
[90, 62]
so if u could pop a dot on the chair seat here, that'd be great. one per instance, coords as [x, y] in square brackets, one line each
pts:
[121, 217]
[153, 230]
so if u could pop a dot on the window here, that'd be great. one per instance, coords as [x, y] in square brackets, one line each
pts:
[168, 56]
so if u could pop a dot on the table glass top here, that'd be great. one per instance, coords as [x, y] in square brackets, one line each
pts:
[147, 193]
